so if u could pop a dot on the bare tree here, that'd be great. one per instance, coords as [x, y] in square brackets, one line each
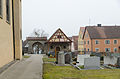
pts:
[39, 33]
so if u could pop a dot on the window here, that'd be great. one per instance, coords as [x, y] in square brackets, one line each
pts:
[88, 42]
[88, 50]
[0, 8]
[115, 41]
[115, 49]
[86, 35]
[82, 49]
[85, 49]
[51, 47]
[59, 36]
[64, 47]
[21, 34]
[8, 11]
[81, 42]
[107, 41]
[84, 42]
[97, 49]
[107, 49]
[81, 36]
[96, 42]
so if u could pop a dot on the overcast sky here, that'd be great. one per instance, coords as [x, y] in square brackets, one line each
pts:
[69, 15]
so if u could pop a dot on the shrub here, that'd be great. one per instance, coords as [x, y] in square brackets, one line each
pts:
[74, 59]
[102, 58]
[92, 55]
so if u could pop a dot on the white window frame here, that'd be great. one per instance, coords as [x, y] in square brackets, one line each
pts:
[107, 48]
[115, 48]
[98, 49]
[85, 42]
[107, 40]
[88, 49]
[114, 42]
[86, 35]
[95, 41]
[82, 49]
[81, 36]
[88, 42]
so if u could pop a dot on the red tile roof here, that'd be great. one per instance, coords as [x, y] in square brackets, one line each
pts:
[103, 32]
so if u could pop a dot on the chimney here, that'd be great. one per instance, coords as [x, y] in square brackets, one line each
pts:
[99, 25]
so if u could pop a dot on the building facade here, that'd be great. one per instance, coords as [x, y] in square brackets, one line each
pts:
[102, 39]
[10, 31]
[74, 46]
[58, 42]
[80, 40]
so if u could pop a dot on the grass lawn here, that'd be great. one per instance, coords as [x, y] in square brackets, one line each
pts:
[68, 72]
[25, 56]
[46, 59]
[82, 67]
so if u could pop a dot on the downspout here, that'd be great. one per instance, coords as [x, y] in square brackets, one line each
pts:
[13, 28]
[91, 45]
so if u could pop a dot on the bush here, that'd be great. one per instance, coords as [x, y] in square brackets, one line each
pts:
[92, 55]
[74, 63]
[102, 58]
[74, 59]
[82, 67]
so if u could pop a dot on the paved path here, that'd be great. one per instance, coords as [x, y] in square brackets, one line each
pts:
[30, 68]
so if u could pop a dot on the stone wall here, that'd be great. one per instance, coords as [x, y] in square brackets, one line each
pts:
[42, 46]
[61, 45]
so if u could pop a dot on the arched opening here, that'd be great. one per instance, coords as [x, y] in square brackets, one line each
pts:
[37, 48]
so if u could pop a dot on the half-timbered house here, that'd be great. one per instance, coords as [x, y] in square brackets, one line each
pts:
[58, 42]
